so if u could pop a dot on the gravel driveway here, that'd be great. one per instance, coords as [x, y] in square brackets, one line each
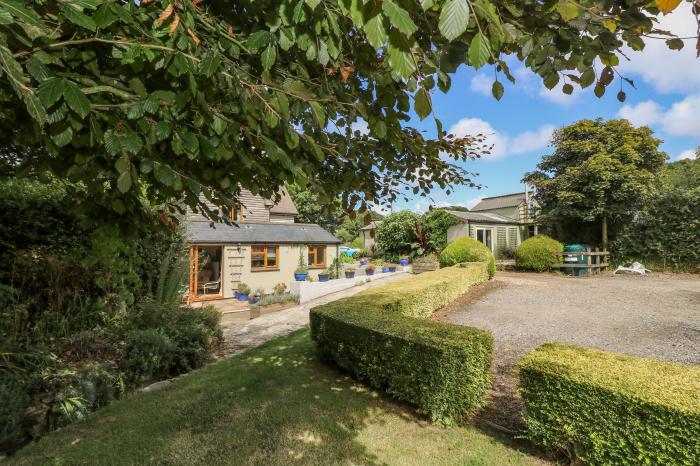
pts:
[656, 316]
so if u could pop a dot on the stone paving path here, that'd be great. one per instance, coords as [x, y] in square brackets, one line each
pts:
[239, 338]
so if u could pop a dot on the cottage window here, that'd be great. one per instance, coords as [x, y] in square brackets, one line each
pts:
[264, 257]
[317, 255]
[236, 213]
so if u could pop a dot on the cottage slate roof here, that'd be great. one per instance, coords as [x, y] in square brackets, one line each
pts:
[483, 217]
[285, 205]
[262, 232]
[499, 202]
[371, 226]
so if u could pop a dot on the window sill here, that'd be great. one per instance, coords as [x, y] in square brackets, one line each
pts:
[264, 270]
[317, 267]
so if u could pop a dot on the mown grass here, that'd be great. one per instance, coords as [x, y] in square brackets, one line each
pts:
[277, 404]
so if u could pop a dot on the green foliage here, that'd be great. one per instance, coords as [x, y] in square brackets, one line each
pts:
[666, 232]
[599, 171]
[148, 356]
[436, 223]
[396, 232]
[357, 243]
[537, 253]
[683, 174]
[606, 408]
[14, 401]
[175, 339]
[132, 100]
[311, 209]
[277, 299]
[466, 249]
[505, 252]
[382, 336]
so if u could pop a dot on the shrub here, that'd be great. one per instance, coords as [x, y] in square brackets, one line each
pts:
[148, 356]
[466, 249]
[169, 340]
[606, 408]
[381, 336]
[14, 402]
[505, 252]
[538, 253]
[277, 299]
[396, 232]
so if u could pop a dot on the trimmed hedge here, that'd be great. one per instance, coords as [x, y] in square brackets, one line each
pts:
[537, 253]
[606, 408]
[466, 249]
[381, 336]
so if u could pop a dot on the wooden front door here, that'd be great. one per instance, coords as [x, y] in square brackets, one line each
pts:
[206, 272]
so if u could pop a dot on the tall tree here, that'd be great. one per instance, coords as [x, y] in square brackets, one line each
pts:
[600, 171]
[165, 101]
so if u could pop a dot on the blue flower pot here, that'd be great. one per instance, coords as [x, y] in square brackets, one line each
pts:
[363, 262]
[242, 297]
[385, 270]
[300, 277]
[392, 269]
[236, 294]
[323, 277]
[349, 274]
[255, 299]
[369, 273]
[403, 262]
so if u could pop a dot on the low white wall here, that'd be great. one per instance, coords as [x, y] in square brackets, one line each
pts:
[312, 290]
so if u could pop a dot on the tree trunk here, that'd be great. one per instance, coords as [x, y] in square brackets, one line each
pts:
[604, 233]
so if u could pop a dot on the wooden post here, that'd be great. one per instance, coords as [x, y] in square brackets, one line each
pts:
[588, 261]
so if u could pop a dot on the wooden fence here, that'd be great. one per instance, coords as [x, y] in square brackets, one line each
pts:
[596, 260]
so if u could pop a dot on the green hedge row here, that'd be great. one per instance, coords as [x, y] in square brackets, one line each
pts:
[606, 408]
[381, 336]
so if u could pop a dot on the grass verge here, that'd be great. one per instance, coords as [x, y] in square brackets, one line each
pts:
[277, 404]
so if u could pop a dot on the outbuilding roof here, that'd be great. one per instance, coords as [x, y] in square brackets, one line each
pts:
[483, 217]
[264, 233]
[499, 202]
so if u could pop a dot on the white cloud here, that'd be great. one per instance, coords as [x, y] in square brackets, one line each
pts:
[532, 140]
[481, 84]
[643, 114]
[668, 70]
[380, 209]
[687, 155]
[423, 205]
[502, 143]
[682, 119]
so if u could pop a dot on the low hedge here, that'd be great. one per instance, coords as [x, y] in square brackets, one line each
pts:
[466, 249]
[538, 253]
[606, 408]
[381, 336]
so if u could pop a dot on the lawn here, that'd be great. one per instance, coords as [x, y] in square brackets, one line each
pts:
[277, 404]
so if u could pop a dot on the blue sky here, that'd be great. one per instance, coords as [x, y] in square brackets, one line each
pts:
[667, 99]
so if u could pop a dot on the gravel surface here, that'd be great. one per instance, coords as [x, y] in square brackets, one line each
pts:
[656, 316]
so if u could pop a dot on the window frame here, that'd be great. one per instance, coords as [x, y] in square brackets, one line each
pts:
[235, 214]
[264, 253]
[315, 264]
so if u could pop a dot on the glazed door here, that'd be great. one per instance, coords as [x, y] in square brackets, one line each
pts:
[206, 272]
[485, 235]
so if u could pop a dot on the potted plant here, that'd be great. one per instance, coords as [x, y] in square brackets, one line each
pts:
[349, 273]
[325, 275]
[302, 270]
[392, 267]
[403, 260]
[280, 288]
[363, 262]
[243, 291]
[258, 294]
[369, 270]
